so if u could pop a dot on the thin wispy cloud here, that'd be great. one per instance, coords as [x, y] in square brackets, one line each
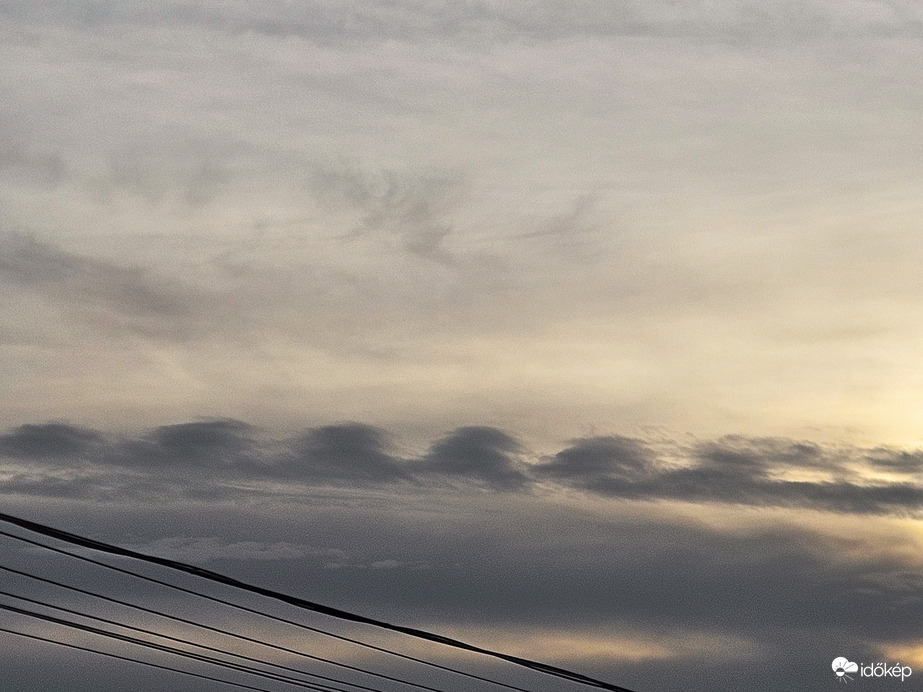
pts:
[108, 294]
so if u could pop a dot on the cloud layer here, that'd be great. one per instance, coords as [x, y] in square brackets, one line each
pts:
[426, 19]
[558, 214]
[756, 472]
[481, 235]
[637, 593]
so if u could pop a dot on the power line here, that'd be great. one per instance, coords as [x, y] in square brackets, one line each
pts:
[178, 640]
[277, 618]
[202, 658]
[305, 604]
[235, 635]
[132, 660]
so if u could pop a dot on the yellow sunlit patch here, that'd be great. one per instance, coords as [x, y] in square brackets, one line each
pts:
[574, 647]
[908, 654]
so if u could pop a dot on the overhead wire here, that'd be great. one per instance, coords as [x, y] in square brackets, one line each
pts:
[305, 604]
[234, 635]
[202, 658]
[270, 616]
[178, 640]
[132, 660]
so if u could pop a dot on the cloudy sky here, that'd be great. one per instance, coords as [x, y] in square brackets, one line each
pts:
[587, 331]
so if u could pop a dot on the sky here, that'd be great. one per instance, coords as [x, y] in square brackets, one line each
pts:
[586, 331]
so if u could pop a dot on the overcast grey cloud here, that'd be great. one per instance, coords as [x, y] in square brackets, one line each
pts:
[738, 19]
[763, 591]
[588, 331]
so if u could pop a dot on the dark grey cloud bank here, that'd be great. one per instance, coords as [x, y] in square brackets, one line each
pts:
[767, 602]
[734, 470]
[470, 536]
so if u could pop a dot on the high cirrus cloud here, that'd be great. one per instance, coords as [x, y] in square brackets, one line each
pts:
[122, 297]
[736, 470]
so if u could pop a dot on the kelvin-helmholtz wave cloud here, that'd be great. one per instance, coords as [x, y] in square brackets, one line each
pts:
[733, 470]
[637, 560]
[584, 330]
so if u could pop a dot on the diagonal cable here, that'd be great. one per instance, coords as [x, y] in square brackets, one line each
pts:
[202, 658]
[235, 635]
[132, 660]
[305, 604]
[178, 640]
[254, 611]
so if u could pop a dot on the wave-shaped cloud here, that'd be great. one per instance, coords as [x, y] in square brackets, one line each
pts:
[759, 472]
